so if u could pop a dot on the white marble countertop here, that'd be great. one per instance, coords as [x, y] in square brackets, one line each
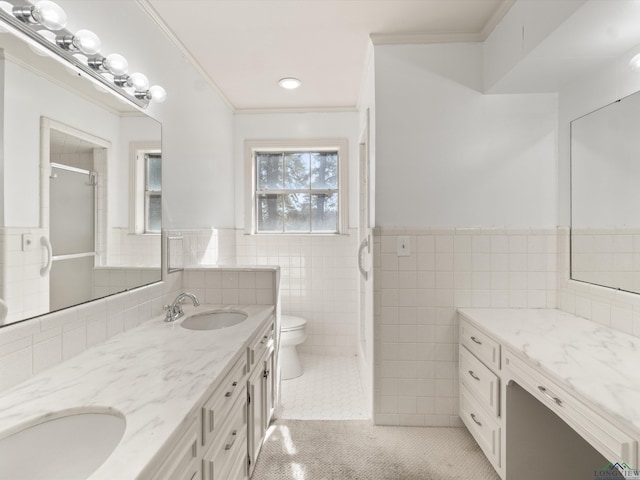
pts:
[599, 364]
[155, 375]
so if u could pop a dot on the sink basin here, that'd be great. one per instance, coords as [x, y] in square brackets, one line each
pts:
[213, 320]
[68, 447]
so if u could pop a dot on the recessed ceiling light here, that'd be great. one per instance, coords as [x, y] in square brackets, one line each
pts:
[289, 83]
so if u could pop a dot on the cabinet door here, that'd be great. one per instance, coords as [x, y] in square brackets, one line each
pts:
[256, 420]
[269, 376]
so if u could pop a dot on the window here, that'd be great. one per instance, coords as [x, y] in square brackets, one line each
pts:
[152, 192]
[296, 189]
[146, 188]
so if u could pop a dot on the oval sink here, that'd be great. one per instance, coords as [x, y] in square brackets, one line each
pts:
[213, 320]
[69, 447]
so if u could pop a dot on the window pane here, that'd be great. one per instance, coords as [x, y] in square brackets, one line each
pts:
[296, 171]
[324, 170]
[154, 213]
[154, 172]
[296, 208]
[270, 214]
[324, 212]
[269, 170]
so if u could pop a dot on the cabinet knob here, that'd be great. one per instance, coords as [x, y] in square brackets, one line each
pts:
[230, 392]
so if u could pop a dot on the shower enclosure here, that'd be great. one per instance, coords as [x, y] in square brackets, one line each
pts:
[72, 234]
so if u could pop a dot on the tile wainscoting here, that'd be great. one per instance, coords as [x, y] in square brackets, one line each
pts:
[319, 281]
[613, 308]
[416, 297]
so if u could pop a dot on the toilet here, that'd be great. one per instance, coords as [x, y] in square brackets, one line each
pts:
[293, 331]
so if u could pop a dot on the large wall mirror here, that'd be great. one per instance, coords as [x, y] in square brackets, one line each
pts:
[605, 198]
[80, 183]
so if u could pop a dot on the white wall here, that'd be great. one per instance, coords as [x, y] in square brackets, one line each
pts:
[197, 124]
[291, 126]
[450, 162]
[447, 155]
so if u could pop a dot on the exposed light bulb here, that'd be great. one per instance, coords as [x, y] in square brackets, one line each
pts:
[138, 81]
[87, 42]
[83, 41]
[634, 63]
[157, 94]
[116, 64]
[49, 15]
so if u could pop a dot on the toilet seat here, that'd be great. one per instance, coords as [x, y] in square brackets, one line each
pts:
[289, 323]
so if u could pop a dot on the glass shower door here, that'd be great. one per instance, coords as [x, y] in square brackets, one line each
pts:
[72, 235]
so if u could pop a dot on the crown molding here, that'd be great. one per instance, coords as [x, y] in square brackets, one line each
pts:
[157, 19]
[423, 38]
[254, 111]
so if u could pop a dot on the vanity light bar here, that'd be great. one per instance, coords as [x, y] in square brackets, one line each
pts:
[28, 21]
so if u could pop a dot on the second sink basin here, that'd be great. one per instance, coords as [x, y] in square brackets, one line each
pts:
[213, 320]
[69, 447]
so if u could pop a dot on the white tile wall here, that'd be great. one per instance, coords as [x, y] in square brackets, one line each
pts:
[126, 249]
[416, 297]
[232, 285]
[613, 308]
[21, 286]
[32, 346]
[607, 256]
[319, 281]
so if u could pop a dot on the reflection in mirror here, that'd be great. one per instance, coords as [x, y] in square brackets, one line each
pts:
[74, 184]
[605, 198]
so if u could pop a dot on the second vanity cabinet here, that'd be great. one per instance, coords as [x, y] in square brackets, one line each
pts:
[223, 439]
[480, 408]
[519, 371]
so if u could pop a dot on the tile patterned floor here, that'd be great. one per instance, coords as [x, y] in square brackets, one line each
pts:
[329, 389]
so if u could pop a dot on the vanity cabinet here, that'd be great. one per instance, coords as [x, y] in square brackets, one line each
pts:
[183, 462]
[519, 371]
[479, 370]
[261, 390]
[223, 441]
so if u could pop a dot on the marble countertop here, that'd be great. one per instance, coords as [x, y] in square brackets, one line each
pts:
[155, 375]
[601, 365]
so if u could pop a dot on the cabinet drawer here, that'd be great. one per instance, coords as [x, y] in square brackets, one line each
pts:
[182, 463]
[217, 408]
[230, 442]
[482, 426]
[480, 381]
[481, 345]
[261, 343]
[613, 443]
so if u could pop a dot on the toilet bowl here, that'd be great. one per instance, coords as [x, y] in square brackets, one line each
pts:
[293, 331]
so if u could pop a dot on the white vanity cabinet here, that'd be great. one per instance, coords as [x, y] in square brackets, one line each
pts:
[183, 462]
[224, 425]
[479, 370]
[536, 393]
[222, 442]
[261, 388]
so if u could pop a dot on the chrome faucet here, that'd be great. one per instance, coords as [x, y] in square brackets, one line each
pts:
[174, 311]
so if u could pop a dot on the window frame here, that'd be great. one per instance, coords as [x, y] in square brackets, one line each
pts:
[339, 145]
[138, 208]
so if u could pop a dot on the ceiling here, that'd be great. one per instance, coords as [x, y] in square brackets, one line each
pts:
[245, 46]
